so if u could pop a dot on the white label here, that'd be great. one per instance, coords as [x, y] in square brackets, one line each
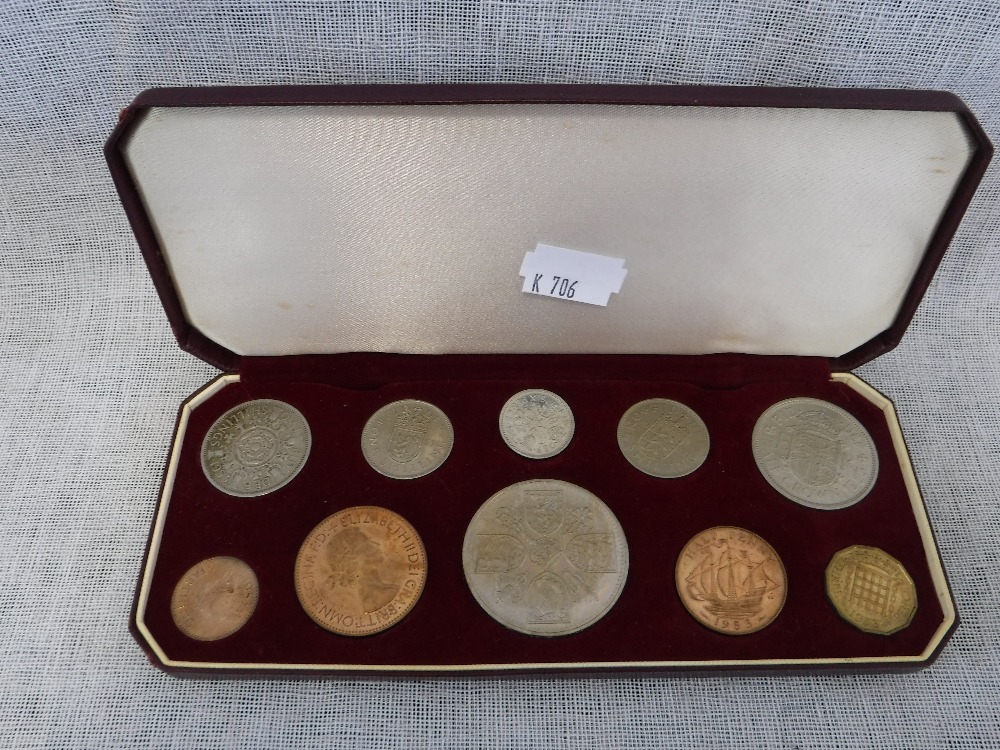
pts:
[572, 275]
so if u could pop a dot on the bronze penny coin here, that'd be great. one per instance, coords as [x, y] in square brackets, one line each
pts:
[663, 438]
[731, 580]
[214, 598]
[360, 571]
[871, 590]
[407, 439]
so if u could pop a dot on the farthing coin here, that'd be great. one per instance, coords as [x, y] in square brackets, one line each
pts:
[536, 423]
[545, 557]
[871, 590]
[663, 438]
[731, 580]
[815, 453]
[214, 598]
[256, 448]
[407, 439]
[360, 571]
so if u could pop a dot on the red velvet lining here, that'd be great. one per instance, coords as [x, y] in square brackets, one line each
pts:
[447, 627]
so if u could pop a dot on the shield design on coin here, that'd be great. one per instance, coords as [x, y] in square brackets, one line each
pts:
[543, 510]
[548, 598]
[660, 439]
[814, 452]
[407, 437]
[498, 553]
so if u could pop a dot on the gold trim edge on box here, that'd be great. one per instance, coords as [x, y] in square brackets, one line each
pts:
[848, 379]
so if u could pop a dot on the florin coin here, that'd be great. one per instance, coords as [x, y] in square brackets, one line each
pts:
[871, 590]
[815, 453]
[407, 439]
[545, 557]
[214, 599]
[731, 580]
[360, 571]
[536, 423]
[663, 438]
[256, 448]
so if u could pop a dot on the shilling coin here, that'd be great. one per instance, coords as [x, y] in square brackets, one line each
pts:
[731, 580]
[545, 557]
[214, 599]
[663, 438]
[815, 453]
[536, 423]
[407, 439]
[256, 448]
[360, 571]
[871, 590]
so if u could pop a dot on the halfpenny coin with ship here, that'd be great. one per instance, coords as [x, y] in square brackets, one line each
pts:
[536, 423]
[545, 557]
[871, 590]
[815, 453]
[407, 439]
[214, 598]
[731, 580]
[663, 438]
[256, 448]
[360, 571]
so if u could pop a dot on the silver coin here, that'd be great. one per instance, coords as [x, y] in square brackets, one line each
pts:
[256, 448]
[545, 557]
[536, 423]
[815, 453]
[663, 438]
[407, 439]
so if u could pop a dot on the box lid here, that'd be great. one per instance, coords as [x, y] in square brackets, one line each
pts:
[321, 220]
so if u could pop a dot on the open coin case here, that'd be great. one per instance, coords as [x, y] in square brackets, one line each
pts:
[337, 390]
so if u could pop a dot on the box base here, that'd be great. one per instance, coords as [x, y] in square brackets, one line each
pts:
[447, 632]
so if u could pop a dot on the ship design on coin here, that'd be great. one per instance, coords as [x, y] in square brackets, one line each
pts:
[256, 448]
[407, 439]
[871, 590]
[663, 438]
[214, 598]
[545, 557]
[731, 580]
[536, 423]
[815, 453]
[360, 571]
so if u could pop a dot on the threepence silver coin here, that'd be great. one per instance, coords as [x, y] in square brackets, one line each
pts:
[815, 453]
[536, 423]
[256, 448]
[407, 439]
[663, 438]
[545, 557]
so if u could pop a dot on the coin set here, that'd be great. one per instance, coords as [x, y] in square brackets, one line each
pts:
[542, 557]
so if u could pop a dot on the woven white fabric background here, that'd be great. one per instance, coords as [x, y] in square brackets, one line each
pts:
[91, 377]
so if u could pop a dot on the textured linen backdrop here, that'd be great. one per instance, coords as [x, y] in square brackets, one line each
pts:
[91, 377]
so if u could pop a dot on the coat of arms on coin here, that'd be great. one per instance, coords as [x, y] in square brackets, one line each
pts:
[545, 557]
[407, 439]
[663, 438]
[256, 448]
[536, 423]
[360, 571]
[871, 590]
[815, 453]
[731, 580]
[214, 598]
